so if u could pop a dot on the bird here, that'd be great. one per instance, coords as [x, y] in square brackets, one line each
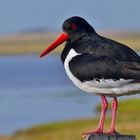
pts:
[98, 65]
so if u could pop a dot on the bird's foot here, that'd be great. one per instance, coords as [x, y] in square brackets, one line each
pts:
[97, 131]
[112, 132]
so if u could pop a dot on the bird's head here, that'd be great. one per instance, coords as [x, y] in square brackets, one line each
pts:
[73, 28]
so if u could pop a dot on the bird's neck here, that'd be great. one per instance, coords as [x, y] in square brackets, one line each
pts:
[65, 51]
[75, 44]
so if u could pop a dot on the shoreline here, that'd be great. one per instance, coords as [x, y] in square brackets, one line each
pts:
[128, 116]
[26, 44]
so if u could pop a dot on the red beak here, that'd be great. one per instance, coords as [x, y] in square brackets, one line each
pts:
[63, 37]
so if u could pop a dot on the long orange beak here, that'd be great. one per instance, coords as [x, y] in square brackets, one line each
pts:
[63, 37]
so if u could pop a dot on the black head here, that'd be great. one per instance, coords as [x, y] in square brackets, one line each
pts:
[73, 28]
[76, 27]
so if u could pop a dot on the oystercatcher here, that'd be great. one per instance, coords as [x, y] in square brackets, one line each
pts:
[98, 65]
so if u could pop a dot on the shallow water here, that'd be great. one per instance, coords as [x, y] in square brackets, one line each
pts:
[34, 91]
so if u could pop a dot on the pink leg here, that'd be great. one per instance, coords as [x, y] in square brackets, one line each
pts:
[112, 129]
[99, 130]
[103, 114]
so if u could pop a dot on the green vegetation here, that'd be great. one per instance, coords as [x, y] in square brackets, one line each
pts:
[128, 122]
[126, 106]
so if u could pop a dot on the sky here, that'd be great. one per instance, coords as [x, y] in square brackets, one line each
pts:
[19, 15]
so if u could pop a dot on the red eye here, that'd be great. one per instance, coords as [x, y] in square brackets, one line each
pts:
[73, 26]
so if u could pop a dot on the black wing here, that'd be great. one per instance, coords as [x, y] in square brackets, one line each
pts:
[88, 67]
[101, 46]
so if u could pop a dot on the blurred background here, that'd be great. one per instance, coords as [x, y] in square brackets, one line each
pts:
[34, 92]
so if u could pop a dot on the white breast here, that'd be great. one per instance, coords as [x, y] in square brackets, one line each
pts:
[71, 55]
[103, 86]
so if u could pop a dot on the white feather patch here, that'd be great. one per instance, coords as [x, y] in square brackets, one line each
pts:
[107, 83]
